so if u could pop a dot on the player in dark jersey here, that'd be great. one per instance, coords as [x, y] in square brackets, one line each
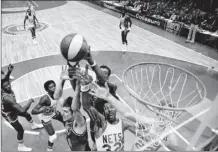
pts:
[125, 26]
[46, 110]
[74, 121]
[103, 74]
[8, 74]
[10, 110]
[31, 23]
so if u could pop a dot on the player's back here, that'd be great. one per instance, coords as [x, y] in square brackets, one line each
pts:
[112, 139]
[76, 142]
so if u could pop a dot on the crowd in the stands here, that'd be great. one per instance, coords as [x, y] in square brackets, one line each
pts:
[177, 10]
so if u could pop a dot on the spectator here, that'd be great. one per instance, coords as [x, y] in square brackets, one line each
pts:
[194, 27]
[173, 17]
[214, 25]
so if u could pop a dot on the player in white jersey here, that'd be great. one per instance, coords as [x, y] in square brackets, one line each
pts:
[46, 110]
[31, 23]
[125, 26]
[103, 93]
[109, 136]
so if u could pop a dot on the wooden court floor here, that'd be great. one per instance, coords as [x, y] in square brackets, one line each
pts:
[40, 62]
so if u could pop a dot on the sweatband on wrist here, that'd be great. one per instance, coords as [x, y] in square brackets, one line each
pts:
[94, 64]
[84, 88]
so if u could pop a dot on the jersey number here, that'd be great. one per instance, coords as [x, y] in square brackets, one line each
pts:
[117, 145]
[140, 144]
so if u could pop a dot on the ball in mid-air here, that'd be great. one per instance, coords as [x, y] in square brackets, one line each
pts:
[74, 47]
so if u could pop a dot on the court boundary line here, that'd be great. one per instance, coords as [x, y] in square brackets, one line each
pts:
[35, 3]
[66, 88]
[53, 66]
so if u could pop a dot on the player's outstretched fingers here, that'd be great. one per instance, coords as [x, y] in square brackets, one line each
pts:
[93, 86]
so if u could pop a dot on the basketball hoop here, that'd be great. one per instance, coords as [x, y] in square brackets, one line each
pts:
[163, 92]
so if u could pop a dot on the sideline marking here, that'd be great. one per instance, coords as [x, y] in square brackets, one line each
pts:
[35, 3]
[47, 67]
[26, 131]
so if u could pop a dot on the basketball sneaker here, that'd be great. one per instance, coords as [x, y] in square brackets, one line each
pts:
[22, 147]
[187, 41]
[35, 42]
[124, 49]
[49, 149]
[36, 126]
[11, 77]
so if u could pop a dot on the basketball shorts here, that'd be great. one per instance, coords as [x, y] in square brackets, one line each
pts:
[125, 29]
[10, 117]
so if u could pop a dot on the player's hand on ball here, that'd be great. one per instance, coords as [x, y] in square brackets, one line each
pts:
[100, 92]
[74, 72]
[89, 56]
[86, 78]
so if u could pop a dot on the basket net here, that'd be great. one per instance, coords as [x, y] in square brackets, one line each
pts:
[162, 92]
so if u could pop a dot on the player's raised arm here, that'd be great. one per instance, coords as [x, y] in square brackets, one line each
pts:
[92, 144]
[76, 104]
[8, 74]
[26, 17]
[60, 84]
[129, 125]
[35, 18]
[38, 108]
[99, 73]
[16, 106]
[103, 93]
[95, 117]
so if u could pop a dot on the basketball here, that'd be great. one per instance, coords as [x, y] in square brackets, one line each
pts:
[74, 47]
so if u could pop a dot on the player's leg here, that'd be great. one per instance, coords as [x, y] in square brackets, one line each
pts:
[190, 33]
[20, 132]
[52, 135]
[122, 37]
[194, 33]
[30, 120]
[125, 38]
[33, 32]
